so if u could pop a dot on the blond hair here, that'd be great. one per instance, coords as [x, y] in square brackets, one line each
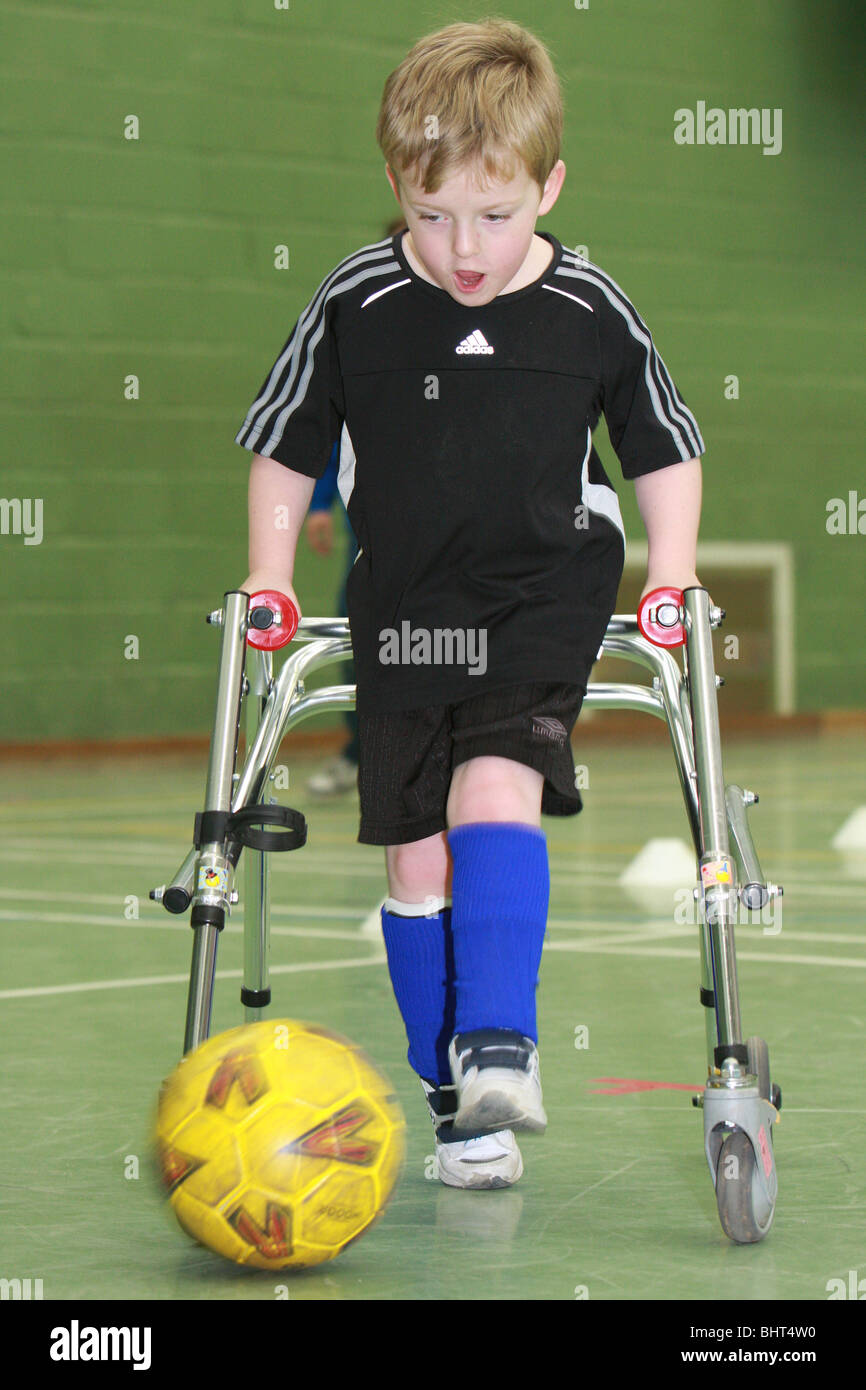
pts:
[483, 95]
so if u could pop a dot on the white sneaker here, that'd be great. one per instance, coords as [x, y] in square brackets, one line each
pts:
[495, 1071]
[488, 1161]
[480, 1161]
[339, 775]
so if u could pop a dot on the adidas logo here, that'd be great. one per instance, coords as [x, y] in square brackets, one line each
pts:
[476, 344]
[548, 727]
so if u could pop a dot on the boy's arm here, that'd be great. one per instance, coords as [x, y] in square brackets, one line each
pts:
[669, 501]
[278, 502]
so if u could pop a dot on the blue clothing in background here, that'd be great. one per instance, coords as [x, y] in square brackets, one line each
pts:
[325, 492]
[322, 500]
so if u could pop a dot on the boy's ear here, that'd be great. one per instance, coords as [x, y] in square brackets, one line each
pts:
[552, 187]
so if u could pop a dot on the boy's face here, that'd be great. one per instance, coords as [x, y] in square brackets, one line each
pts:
[475, 241]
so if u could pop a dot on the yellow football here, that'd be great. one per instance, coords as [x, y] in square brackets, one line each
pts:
[278, 1143]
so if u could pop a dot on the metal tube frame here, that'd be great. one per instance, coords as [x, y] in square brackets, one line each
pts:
[685, 698]
[210, 878]
[257, 916]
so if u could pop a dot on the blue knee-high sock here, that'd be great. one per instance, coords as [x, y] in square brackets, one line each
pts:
[421, 965]
[500, 896]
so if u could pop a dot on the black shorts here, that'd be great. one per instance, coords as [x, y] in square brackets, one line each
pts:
[406, 759]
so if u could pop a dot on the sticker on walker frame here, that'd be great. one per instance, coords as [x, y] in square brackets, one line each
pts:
[213, 880]
[766, 1156]
[718, 871]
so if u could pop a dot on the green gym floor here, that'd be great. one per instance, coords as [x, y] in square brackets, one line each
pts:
[616, 1202]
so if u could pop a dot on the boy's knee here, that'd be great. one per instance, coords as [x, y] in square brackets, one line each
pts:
[496, 789]
[419, 870]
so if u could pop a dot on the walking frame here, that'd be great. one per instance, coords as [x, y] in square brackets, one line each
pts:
[740, 1104]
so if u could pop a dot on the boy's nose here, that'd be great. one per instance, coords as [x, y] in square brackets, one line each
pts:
[465, 242]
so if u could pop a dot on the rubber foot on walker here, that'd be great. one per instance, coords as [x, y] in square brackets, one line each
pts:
[255, 998]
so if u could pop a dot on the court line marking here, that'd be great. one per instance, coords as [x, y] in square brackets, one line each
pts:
[31, 993]
[608, 1177]
[626, 934]
[338, 867]
[151, 914]
[305, 909]
[277, 909]
[596, 946]
[68, 855]
[153, 922]
[603, 948]
[179, 924]
[161, 849]
[368, 858]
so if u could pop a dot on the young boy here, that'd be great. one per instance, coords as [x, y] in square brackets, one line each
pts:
[464, 365]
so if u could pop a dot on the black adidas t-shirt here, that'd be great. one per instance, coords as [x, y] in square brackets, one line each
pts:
[491, 539]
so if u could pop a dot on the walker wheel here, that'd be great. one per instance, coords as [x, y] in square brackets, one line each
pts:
[659, 617]
[273, 620]
[744, 1212]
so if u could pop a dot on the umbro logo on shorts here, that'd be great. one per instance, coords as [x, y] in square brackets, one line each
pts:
[476, 343]
[547, 727]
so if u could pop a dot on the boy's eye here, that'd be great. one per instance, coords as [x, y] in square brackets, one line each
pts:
[488, 217]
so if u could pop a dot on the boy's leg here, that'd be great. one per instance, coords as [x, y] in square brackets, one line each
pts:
[501, 891]
[416, 925]
[501, 888]
[404, 780]
[512, 763]
[403, 777]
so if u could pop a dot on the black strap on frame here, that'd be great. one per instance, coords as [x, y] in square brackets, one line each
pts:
[215, 827]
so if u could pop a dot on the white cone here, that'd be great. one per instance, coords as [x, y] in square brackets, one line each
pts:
[661, 878]
[372, 923]
[852, 835]
[662, 863]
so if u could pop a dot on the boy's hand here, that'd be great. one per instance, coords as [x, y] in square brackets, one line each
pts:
[270, 579]
[319, 527]
[680, 581]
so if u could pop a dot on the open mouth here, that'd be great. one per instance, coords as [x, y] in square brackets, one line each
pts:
[468, 281]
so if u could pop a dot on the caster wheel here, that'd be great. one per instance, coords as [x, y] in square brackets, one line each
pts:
[745, 1215]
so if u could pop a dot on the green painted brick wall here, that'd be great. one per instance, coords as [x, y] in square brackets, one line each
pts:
[154, 257]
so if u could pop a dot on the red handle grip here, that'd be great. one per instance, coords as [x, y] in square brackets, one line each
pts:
[659, 617]
[268, 634]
